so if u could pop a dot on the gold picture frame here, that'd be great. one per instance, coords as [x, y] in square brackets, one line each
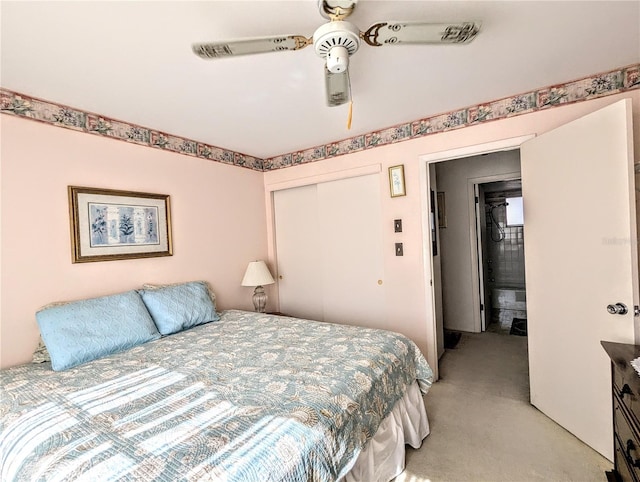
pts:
[108, 225]
[396, 181]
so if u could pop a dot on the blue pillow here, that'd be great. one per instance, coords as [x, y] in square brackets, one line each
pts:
[85, 330]
[177, 307]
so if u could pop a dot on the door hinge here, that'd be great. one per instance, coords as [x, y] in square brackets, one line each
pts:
[481, 307]
[636, 310]
[477, 199]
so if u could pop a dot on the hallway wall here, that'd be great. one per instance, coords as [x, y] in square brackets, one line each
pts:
[454, 179]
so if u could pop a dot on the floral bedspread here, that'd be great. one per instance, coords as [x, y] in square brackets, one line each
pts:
[252, 397]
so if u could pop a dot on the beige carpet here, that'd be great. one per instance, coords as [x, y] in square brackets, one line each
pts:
[483, 427]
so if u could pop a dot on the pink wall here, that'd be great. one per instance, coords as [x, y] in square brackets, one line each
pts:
[408, 307]
[222, 217]
[218, 215]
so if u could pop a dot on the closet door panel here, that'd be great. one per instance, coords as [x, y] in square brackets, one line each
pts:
[349, 216]
[298, 242]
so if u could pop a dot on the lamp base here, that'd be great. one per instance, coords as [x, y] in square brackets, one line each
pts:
[259, 299]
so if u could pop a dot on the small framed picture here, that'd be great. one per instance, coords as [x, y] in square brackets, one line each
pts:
[396, 181]
[109, 225]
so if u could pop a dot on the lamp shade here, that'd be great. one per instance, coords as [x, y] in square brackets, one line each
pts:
[257, 274]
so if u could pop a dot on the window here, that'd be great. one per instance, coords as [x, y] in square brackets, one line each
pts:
[515, 215]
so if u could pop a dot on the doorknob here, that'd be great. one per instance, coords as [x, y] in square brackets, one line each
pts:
[617, 309]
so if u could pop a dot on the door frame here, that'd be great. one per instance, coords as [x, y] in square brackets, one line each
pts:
[477, 280]
[425, 188]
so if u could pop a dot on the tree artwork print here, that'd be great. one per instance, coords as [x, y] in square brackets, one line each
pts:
[122, 225]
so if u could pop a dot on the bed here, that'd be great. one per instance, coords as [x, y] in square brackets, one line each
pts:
[249, 397]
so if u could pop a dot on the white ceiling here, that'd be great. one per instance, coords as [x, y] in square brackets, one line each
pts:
[132, 61]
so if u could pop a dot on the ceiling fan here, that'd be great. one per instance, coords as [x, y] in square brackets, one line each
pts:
[338, 39]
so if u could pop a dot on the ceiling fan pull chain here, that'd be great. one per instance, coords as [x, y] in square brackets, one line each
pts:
[350, 114]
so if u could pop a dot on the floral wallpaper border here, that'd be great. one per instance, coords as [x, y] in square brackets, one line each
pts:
[64, 116]
[598, 85]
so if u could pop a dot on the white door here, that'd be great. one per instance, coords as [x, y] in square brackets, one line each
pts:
[297, 245]
[351, 231]
[580, 254]
[328, 244]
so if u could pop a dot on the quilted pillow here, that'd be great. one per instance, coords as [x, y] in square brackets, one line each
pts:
[85, 330]
[156, 286]
[41, 355]
[177, 307]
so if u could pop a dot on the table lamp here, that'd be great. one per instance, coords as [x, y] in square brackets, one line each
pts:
[258, 275]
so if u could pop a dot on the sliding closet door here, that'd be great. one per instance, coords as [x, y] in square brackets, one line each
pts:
[350, 220]
[328, 243]
[298, 244]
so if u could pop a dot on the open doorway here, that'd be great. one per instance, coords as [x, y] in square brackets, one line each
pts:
[501, 245]
[565, 325]
[479, 284]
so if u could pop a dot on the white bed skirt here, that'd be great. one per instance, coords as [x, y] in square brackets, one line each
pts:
[384, 456]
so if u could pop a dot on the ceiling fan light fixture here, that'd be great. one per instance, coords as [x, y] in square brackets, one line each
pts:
[336, 34]
[337, 60]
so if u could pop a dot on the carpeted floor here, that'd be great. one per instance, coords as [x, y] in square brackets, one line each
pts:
[483, 427]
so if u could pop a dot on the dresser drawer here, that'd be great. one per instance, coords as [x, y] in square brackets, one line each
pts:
[626, 383]
[623, 474]
[627, 391]
[627, 445]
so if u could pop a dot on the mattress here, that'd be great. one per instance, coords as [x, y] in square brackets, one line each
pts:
[251, 397]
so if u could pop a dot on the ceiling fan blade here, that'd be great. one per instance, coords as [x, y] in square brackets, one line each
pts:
[393, 33]
[214, 50]
[338, 87]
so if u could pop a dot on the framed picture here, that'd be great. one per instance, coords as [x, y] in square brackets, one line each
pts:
[442, 212]
[109, 225]
[396, 181]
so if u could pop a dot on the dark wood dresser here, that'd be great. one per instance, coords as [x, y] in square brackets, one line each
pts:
[626, 411]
